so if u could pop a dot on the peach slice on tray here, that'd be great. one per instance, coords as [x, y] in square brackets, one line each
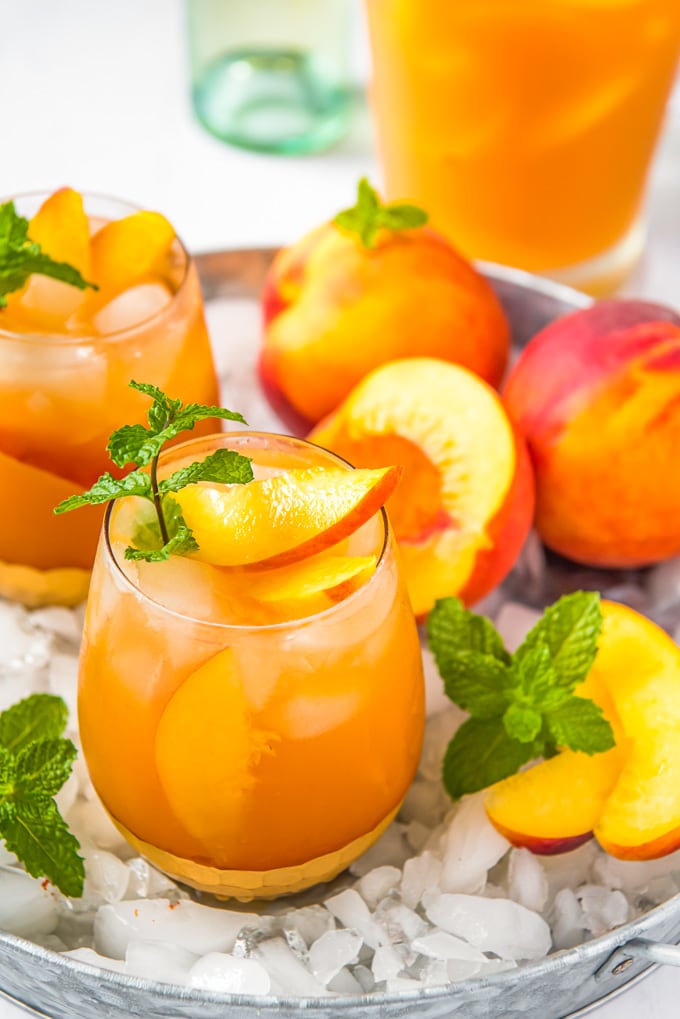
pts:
[465, 504]
[285, 518]
[629, 797]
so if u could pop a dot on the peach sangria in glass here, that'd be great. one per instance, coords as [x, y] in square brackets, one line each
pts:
[251, 710]
[526, 127]
[66, 355]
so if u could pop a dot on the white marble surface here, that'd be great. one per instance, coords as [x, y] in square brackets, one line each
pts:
[95, 95]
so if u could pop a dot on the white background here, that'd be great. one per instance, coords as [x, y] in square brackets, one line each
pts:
[95, 95]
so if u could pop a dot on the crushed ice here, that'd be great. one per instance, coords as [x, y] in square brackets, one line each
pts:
[441, 897]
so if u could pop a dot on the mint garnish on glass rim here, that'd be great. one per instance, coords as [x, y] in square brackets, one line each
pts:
[522, 706]
[20, 257]
[141, 446]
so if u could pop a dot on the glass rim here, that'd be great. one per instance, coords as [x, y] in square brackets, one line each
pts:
[283, 625]
[63, 340]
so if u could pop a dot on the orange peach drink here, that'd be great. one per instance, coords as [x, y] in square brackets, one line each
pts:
[252, 716]
[525, 127]
[66, 356]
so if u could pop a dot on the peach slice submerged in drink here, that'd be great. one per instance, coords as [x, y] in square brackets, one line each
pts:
[66, 356]
[252, 712]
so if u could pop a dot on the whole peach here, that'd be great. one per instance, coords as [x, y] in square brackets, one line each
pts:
[335, 309]
[597, 396]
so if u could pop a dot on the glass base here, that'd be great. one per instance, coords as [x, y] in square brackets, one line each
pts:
[247, 885]
[36, 588]
[271, 102]
[604, 274]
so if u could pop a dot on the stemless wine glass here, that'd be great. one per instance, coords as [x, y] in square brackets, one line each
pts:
[64, 388]
[248, 758]
[526, 127]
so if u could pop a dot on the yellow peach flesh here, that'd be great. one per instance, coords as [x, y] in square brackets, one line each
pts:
[449, 431]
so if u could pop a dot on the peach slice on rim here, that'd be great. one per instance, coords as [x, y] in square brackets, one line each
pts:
[129, 251]
[464, 507]
[61, 228]
[285, 518]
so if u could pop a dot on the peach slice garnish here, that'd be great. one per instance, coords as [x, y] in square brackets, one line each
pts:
[206, 750]
[284, 518]
[464, 507]
[129, 251]
[630, 795]
[62, 230]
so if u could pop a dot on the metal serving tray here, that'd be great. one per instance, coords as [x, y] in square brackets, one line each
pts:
[567, 983]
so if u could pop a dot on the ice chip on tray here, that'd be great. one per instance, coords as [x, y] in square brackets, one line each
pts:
[218, 971]
[200, 929]
[493, 925]
[27, 906]
[471, 847]
[375, 885]
[527, 883]
[159, 960]
[286, 970]
[332, 952]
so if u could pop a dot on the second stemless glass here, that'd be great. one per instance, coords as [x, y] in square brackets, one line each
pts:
[526, 127]
[61, 396]
[249, 760]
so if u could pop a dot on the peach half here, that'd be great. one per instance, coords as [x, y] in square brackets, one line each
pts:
[629, 797]
[597, 397]
[465, 503]
[334, 310]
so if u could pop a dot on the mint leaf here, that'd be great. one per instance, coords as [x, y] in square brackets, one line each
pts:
[142, 446]
[224, 466]
[107, 487]
[403, 217]
[36, 832]
[133, 444]
[475, 682]
[480, 754]
[181, 543]
[580, 725]
[38, 717]
[523, 724]
[569, 629]
[7, 773]
[43, 766]
[451, 628]
[521, 706]
[20, 257]
[368, 216]
[534, 681]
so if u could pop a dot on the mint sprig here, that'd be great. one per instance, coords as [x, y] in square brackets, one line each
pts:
[522, 706]
[20, 257]
[35, 761]
[368, 216]
[141, 446]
